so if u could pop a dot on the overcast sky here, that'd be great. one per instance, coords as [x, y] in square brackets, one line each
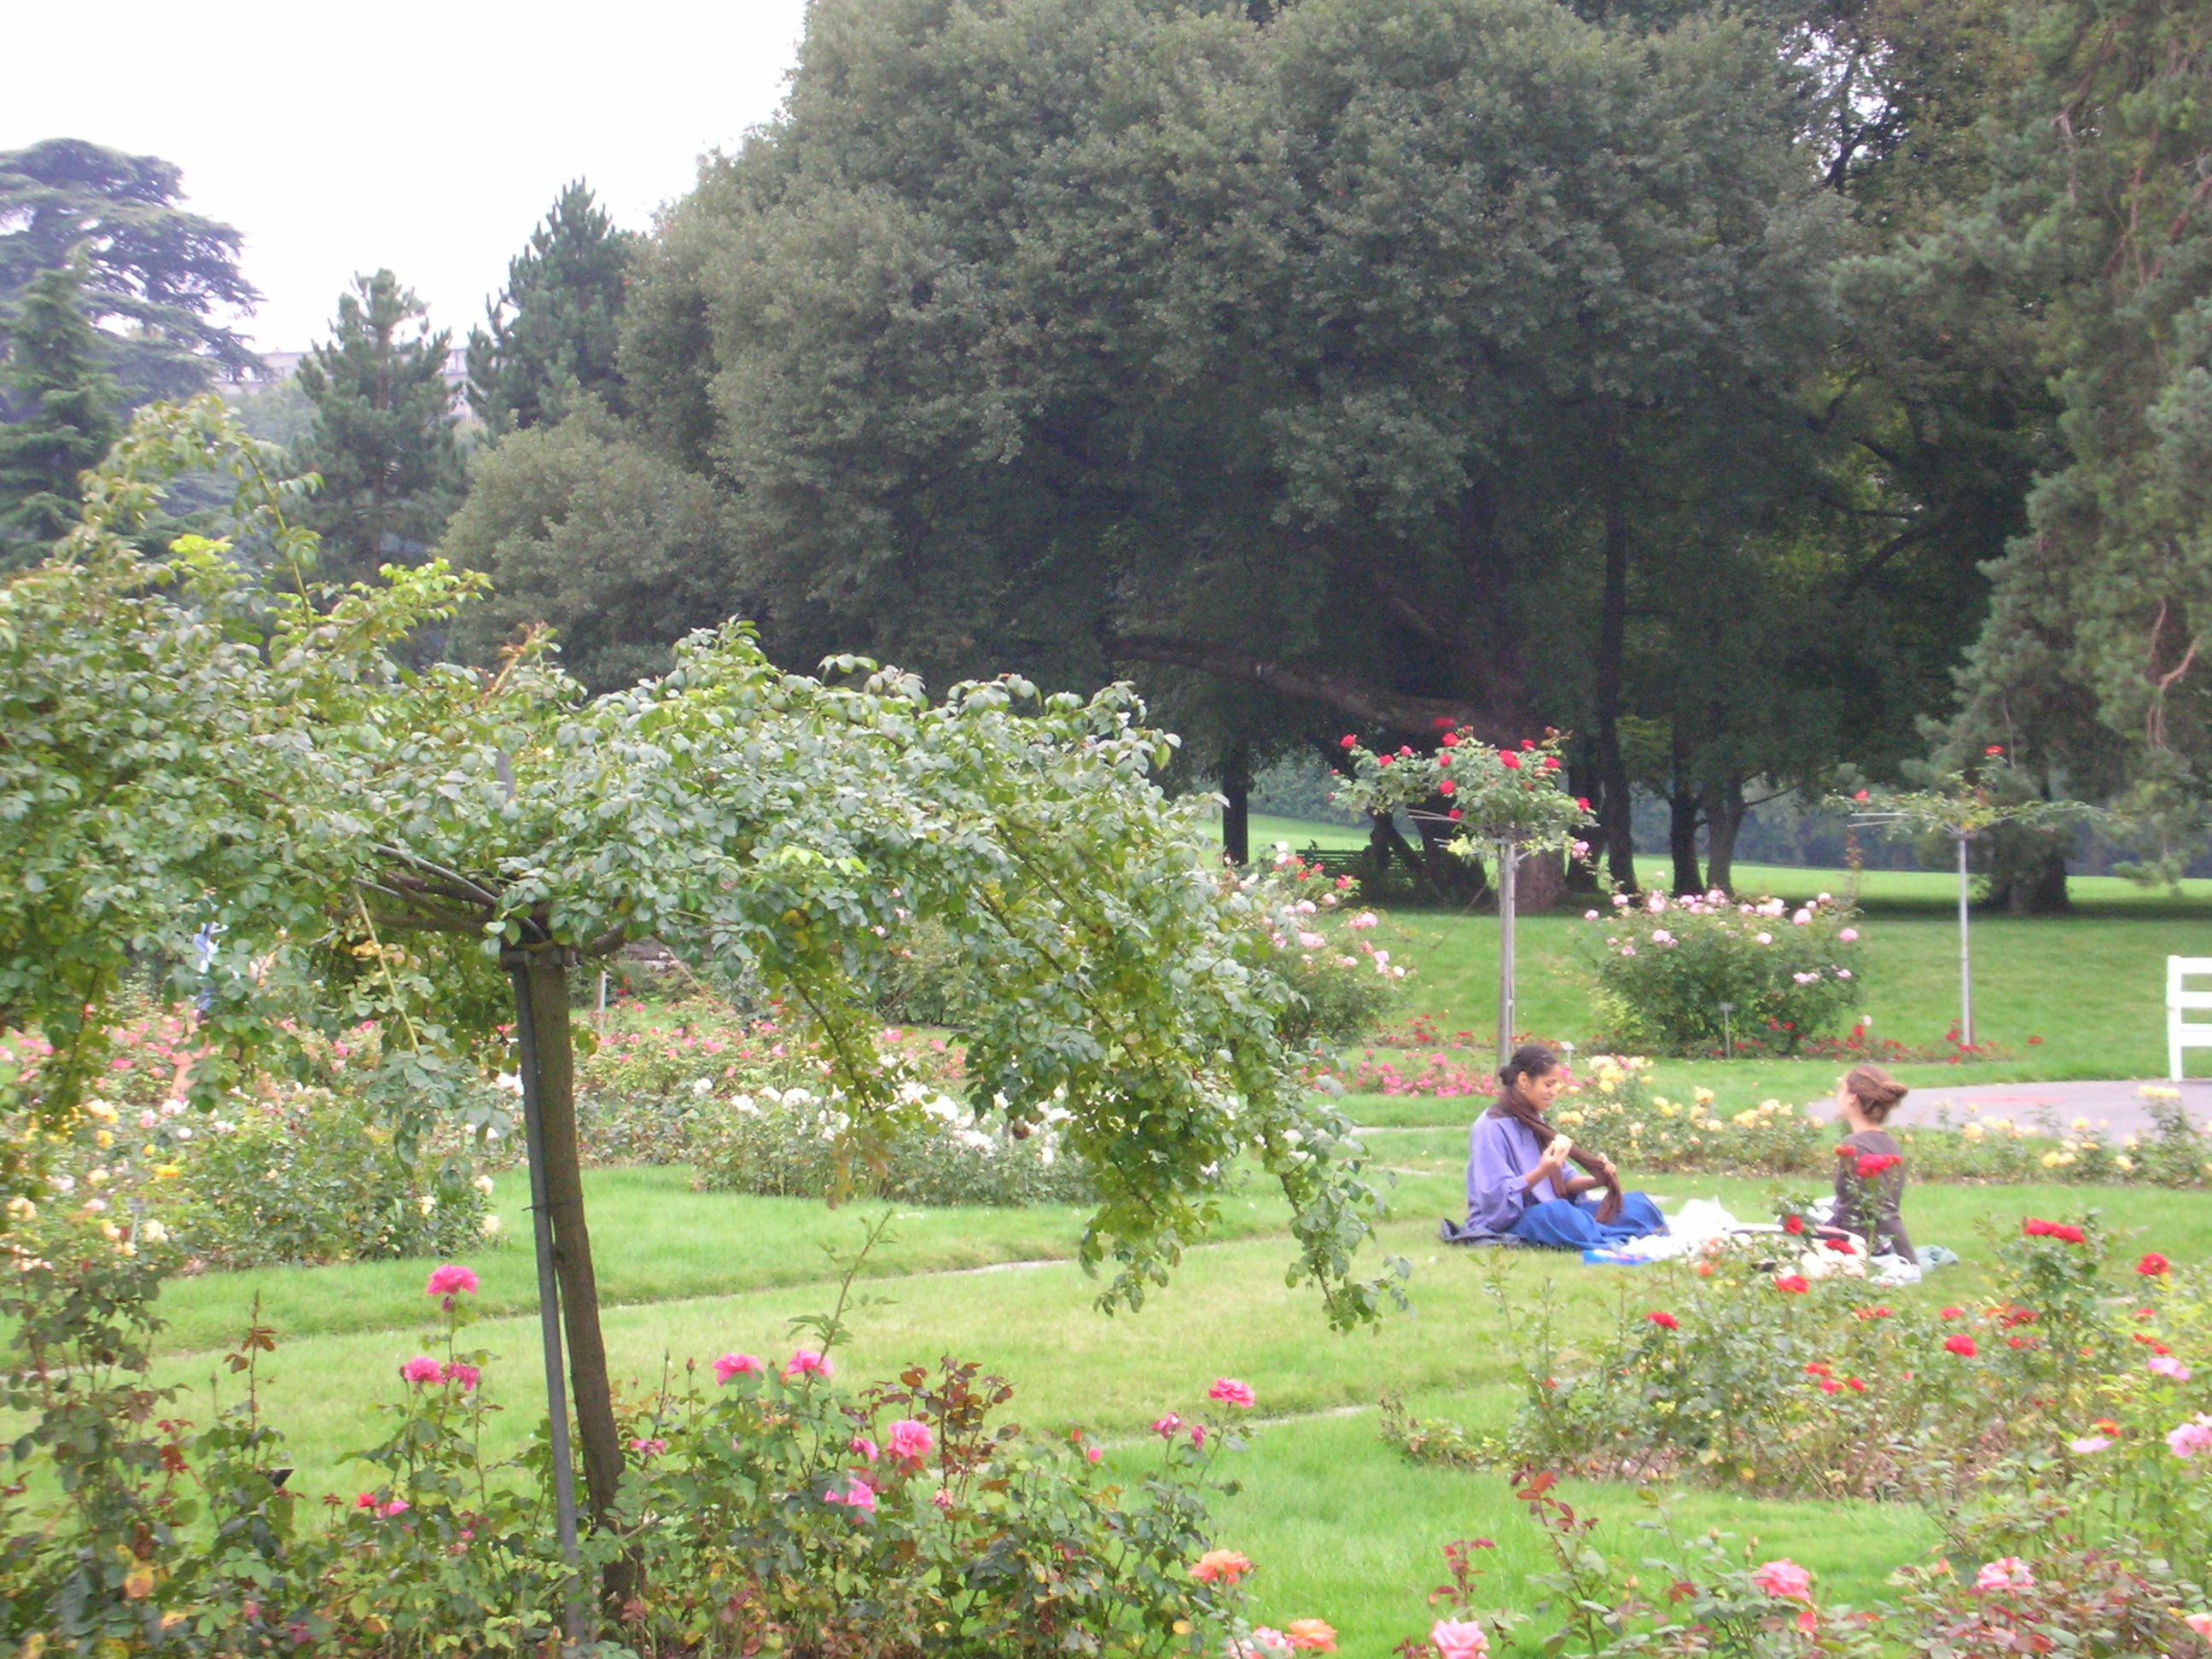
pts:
[429, 137]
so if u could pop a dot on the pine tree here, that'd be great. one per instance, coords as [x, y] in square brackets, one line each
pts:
[383, 437]
[553, 331]
[64, 404]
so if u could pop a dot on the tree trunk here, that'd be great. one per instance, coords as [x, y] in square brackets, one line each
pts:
[1236, 807]
[590, 1390]
[2041, 892]
[1724, 811]
[1682, 840]
[1684, 806]
[1614, 828]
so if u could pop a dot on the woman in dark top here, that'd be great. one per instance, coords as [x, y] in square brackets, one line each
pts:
[1869, 1167]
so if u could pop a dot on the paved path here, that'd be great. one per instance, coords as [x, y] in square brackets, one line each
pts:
[2116, 1107]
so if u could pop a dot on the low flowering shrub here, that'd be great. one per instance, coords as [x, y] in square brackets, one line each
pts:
[1613, 1105]
[283, 1171]
[1662, 967]
[1750, 1375]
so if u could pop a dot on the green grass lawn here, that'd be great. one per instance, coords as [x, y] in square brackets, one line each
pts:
[2093, 989]
[1342, 1527]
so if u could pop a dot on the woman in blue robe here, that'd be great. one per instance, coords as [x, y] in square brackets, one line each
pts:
[1516, 1169]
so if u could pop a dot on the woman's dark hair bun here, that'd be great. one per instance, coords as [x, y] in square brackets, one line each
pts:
[1877, 1090]
[1529, 1060]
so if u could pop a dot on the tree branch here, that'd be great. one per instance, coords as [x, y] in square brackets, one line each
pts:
[1375, 704]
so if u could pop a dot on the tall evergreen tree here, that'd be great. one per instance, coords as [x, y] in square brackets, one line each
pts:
[63, 407]
[383, 437]
[553, 330]
[2099, 227]
[166, 273]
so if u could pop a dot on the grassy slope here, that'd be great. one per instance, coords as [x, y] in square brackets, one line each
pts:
[1344, 1528]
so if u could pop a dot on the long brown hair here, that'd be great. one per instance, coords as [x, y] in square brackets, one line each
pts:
[1534, 1060]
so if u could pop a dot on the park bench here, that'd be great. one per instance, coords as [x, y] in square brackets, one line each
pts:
[2180, 1000]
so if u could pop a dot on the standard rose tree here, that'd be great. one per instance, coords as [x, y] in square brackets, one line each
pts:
[1512, 801]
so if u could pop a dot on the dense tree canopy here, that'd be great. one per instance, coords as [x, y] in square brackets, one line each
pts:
[1408, 358]
[582, 526]
[163, 275]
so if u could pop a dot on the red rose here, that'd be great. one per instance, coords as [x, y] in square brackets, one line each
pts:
[2152, 1265]
[1527, 743]
[1447, 788]
[1827, 1386]
[1816, 1369]
[1994, 749]
[1961, 1345]
[1793, 1224]
[1953, 1313]
[1347, 741]
[2070, 1234]
[1510, 758]
[1874, 1163]
[1582, 801]
[2034, 1228]
[1791, 1283]
[1551, 762]
[1453, 815]
[1443, 722]
[1451, 739]
[1861, 795]
[1854, 1385]
[1665, 1322]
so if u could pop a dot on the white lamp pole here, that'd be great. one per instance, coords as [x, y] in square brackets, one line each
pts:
[1509, 857]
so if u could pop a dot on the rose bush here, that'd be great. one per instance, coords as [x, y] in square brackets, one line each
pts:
[925, 1523]
[1662, 967]
[281, 1171]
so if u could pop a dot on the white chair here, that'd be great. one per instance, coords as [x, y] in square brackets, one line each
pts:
[2180, 1033]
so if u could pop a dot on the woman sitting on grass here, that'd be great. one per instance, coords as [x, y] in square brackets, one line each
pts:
[1869, 1167]
[1517, 1178]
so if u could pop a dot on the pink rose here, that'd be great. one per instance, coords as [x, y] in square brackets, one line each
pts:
[857, 1494]
[942, 1498]
[731, 1366]
[2088, 1443]
[910, 1440]
[1229, 1391]
[1783, 1578]
[2199, 1622]
[1167, 1427]
[455, 1371]
[452, 1280]
[1460, 1638]
[1849, 936]
[420, 1370]
[2007, 1572]
[863, 1447]
[807, 1362]
[2190, 1439]
[2165, 1366]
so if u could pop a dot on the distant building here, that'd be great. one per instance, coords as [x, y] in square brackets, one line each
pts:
[277, 367]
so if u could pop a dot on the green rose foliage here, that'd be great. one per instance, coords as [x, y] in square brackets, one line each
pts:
[1661, 969]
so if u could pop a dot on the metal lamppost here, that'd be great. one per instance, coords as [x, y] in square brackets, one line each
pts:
[1728, 1029]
